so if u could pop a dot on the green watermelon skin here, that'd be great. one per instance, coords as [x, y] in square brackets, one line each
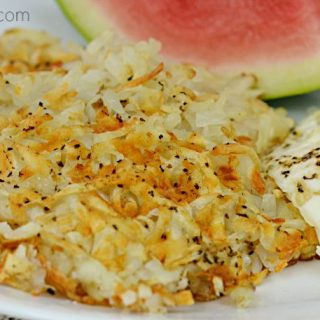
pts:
[277, 40]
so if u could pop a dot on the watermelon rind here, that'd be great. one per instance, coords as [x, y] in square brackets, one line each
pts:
[85, 17]
[276, 79]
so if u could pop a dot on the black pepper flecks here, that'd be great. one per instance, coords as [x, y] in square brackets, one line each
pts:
[313, 176]
[300, 188]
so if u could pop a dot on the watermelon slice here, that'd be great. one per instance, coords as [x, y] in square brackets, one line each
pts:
[278, 40]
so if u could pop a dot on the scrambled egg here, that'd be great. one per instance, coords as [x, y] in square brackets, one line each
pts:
[295, 166]
[135, 184]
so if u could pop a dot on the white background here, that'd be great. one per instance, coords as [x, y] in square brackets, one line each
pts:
[44, 15]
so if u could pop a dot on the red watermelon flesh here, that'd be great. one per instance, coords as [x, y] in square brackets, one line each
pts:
[277, 40]
[219, 32]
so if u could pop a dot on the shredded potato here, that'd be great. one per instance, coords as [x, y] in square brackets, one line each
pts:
[131, 183]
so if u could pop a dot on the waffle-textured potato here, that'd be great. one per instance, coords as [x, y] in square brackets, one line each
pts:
[131, 183]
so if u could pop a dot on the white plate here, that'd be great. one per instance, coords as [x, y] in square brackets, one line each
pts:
[292, 294]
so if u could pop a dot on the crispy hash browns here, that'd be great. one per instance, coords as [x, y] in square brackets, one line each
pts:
[131, 183]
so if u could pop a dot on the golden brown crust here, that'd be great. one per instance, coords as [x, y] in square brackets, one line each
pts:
[135, 193]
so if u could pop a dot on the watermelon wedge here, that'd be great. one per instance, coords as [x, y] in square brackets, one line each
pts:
[277, 40]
